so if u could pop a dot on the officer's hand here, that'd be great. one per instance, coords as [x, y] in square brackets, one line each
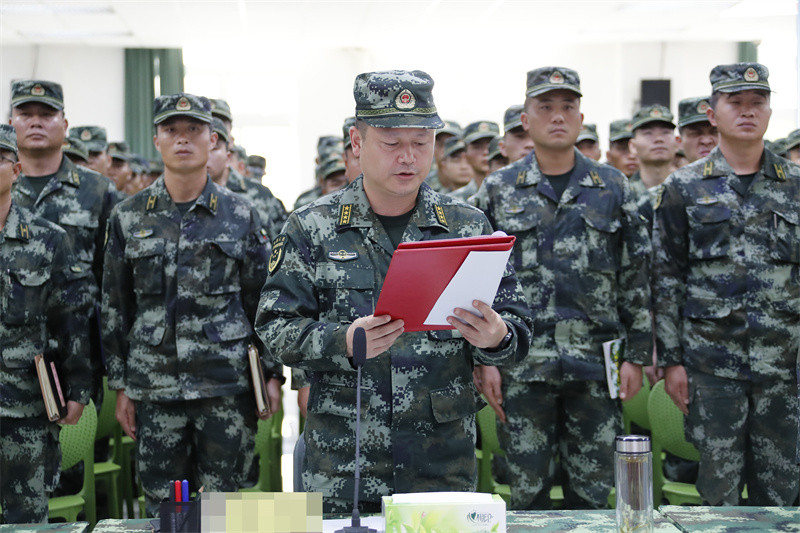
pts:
[381, 332]
[302, 400]
[482, 332]
[126, 414]
[630, 380]
[274, 395]
[74, 412]
[676, 383]
[490, 386]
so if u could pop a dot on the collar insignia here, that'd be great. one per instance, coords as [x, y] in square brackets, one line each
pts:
[151, 202]
[440, 215]
[521, 177]
[708, 168]
[345, 212]
[779, 171]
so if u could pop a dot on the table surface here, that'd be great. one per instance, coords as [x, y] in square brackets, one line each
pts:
[733, 519]
[72, 527]
[574, 521]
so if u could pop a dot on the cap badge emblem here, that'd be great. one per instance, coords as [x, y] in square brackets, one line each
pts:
[483, 126]
[655, 113]
[37, 90]
[183, 104]
[629, 127]
[86, 135]
[750, 74]
[702, 107]
[405, 100]
[556, 77]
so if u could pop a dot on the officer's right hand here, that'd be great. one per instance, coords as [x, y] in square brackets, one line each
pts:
[381, 332]
[126, 414]
[676, 383]
[489, 383]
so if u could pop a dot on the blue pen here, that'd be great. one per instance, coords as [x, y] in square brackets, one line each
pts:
[185, 490]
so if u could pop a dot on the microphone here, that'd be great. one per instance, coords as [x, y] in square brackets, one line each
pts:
[359, 358]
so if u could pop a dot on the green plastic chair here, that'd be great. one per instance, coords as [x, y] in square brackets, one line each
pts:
[667, 435]
[635, 409]
[123, 446]
[268, 450]
[77, 444]
[107, 473]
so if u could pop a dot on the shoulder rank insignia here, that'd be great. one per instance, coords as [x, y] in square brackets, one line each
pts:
[24, 232]
[707, 200]
[521, 177]
[779, 171]
[659, 197]
[76, 179]
[596, 179]
[708, 168]
[440, 215]
[142, 233]
[345, 212]
[514, 209]
[151, 202]
[276, 256]
[342, 255]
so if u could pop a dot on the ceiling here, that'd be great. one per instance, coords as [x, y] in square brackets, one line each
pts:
[179, 23]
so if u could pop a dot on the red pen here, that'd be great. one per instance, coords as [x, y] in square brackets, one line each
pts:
[178, 497]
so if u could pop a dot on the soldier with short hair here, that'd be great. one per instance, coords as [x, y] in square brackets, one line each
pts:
[477, 137]
[698, 136]
[727, 297]
[94, 137]
[515, 143]
[619, 154]
[588, 143]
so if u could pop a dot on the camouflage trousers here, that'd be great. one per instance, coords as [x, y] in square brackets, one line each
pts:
[576, 420]
[209, 442]
[30, 460]
[745, 433]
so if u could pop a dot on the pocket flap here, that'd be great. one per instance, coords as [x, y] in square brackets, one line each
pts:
[228, 329]
[789, 216]
[233, 249]
[453, 403]
[147, 332]
[137, 248]
[709, 214]
[337, 400]
[706, 308]
[78, 219]
[601, 223]
[30, 278]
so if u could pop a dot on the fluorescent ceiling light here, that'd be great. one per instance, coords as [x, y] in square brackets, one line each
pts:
[75, 34]
[64, 8]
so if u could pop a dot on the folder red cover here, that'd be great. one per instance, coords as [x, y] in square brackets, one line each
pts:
[421, 271]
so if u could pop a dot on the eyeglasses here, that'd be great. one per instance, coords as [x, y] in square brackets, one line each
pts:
[4, 158]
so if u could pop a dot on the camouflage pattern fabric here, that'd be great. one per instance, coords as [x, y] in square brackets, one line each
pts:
[575, 522]
[270, 209]
[732, 519]
[418, 399]
[577, 419]
[180, 294]
[72, 527]
[300, 379]
[307, 197]
[463, 193]
[726, 289]
[45, 304]
[723, 413]
[219, 432]
[433, 181]
[739, 77]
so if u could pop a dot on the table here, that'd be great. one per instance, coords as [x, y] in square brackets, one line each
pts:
[733, 519]
[139, 525]
[604, 520]
[72, 527]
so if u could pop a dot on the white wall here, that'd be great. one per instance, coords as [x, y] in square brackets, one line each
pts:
[93, 79]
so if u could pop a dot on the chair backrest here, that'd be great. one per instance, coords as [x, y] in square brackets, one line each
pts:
[263, 443]
[77, 442]
[635, 409]
[487, 425]
[106, 418]
[666, 422]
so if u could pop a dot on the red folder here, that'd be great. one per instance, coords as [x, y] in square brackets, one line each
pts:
[421, 270]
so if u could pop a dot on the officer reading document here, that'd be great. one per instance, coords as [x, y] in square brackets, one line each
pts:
[326, 271]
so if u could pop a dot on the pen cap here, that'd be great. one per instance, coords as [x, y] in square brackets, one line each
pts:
[633, 444]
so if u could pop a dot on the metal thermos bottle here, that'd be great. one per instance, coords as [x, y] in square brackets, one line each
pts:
[633, 471]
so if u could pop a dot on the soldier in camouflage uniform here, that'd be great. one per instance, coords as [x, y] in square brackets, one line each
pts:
[581, 256]
[350, 160]
[327, 146]
[588, 142]
[477, 137]
[619, 154]
[185, 262]
[516, 143]
[698, 136]
[496, 158]
[52, 187]
[727, 298]
[76, 152]
[454, 170]
[791, 147]
[45, 305]
[326, 271]
[95, 139]
[443, 135]
[256, 167]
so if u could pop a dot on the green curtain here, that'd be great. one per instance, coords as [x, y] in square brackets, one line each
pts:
[748, 52]
[142, 66]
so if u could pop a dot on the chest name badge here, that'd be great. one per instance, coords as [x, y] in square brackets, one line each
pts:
[142, 233]
[342, 255]
[514, 209]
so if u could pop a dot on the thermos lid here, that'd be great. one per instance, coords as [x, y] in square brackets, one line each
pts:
[633, 443]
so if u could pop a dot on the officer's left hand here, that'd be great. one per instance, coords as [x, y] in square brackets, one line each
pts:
[630, 380]
[74, 412]
[274, 394]
[482, 332]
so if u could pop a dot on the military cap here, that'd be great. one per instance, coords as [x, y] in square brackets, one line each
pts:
[692, 111]
[451, 128]
[155, 165]
[739, 77]
[94, 137]
[545, 79]
[453, 145]
[257, 161]
[219, 128]
[241, 153]
[8, 138]
[619, 130]
[46, 92]
[181, 105]
[119, 150]
[331, 166]
[588, 132]
[512, 118]
[348, 123]
[75, 147]
[221, 109]
[139, 164]
[328, 145]
[480, 130]
[791, 141]
[494, 148]
[396, 99]
[652, 113]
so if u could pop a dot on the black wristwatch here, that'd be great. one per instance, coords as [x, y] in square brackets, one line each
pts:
[505, 342]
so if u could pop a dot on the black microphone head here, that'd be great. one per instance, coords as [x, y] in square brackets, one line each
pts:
[359, 347]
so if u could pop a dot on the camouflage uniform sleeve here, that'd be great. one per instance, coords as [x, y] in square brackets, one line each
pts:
[299, 379]
[110, 199]
[69, 310]
[633, 302]
[118, 304]
[288, 314]
[670, 262]
[481, 200]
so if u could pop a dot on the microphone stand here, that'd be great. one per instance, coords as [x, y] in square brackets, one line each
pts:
[359, 357]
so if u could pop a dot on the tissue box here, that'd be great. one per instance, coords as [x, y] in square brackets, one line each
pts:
[444, 512]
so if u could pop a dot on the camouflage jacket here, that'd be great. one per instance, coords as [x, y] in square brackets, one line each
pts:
[45, 300]
[79, 200]
[180, 294]
[270, 209]
[463, 193]
[726, 272]
[582, 262]
[418, 398]
[308, 196]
